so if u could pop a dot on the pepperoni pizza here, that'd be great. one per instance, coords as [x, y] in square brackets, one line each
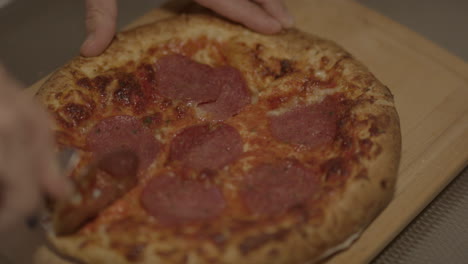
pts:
[251, 148]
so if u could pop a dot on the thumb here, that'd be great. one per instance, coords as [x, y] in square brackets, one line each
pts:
[101, 16]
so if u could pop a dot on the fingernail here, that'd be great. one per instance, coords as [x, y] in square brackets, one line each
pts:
[88, 41]
[87, 46]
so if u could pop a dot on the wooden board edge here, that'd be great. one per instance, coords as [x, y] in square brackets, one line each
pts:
[413, 200]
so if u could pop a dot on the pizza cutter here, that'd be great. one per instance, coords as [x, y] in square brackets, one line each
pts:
[95, 186]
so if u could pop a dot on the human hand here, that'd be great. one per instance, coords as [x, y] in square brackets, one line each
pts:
[264, 16]
[27, 165]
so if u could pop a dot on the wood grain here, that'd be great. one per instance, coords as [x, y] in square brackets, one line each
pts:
[430, 87]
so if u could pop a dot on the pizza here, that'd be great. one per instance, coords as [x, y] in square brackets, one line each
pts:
[252, 148]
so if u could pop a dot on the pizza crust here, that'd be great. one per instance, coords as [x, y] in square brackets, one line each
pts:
[347, 212]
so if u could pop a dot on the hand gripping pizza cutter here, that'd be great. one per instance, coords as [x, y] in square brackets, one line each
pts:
[96, 185]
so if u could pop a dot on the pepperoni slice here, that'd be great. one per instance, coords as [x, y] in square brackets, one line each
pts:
[179, 77]
[207, 146]
[123, 133]
[221, 91]
[119, 164]
[312, 125]
[270, 189]
[173, 200]
[233, 97]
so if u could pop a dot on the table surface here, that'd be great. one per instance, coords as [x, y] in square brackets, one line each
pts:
[47, 21]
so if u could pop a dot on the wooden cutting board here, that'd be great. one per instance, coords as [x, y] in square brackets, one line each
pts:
[431, 92]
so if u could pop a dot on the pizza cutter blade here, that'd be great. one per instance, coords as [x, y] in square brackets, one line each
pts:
[96, 186]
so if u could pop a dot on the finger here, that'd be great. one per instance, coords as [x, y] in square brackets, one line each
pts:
[245, 12]
[51, 180]
[45, 162]
[19, 201]
[53, 183]
[101, 19]
[277, 10]
[17, 206]
[21, 194]
[20, 191]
